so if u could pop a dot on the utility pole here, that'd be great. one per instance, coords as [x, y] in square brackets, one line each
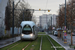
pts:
[40, 21]
[23, 15]
[51, 23]
[71, 23]
[65, 34]
[13, 22]
[46, 19]
[53, 20]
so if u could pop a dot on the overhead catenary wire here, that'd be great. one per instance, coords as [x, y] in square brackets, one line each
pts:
[46, 4]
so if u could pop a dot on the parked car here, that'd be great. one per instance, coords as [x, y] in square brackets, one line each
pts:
[73, 34]
[50, 32]
[41, 30]
[55, 33]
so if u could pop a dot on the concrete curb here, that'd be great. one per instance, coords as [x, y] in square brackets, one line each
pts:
[9, 43]
[59, 43]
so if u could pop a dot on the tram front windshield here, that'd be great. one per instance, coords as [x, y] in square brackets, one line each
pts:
[26, 29]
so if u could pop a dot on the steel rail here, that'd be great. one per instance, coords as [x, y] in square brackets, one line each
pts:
[40, 44]
[26, 46]
[14, 45]
[52, 43]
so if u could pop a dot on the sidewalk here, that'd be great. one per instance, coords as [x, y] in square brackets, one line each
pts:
[6, 42]
[59, 40]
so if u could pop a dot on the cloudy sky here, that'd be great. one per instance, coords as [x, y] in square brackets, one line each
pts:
[53, 5]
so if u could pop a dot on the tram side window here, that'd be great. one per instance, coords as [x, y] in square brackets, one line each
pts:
[33, 29]
[21, 29]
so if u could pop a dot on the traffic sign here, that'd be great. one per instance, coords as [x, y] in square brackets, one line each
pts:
[39, 9]
[48, 10]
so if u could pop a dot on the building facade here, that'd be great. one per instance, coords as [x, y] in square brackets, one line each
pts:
[3, 4]
[45, 20]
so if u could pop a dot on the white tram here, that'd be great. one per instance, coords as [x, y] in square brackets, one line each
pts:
[29, 30]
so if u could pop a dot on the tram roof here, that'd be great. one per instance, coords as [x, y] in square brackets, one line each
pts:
[31, 23]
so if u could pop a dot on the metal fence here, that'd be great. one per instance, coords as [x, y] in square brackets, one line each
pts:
[3, 32]
[16, 30]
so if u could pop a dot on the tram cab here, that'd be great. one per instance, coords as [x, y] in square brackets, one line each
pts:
[29, 30]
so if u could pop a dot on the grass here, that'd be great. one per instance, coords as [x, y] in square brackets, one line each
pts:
[46, 45]
[35, 45]
[41, 33]
[20, 46]
[56, 44]
[5, 48]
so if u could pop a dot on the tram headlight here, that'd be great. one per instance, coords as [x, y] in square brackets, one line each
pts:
[31, 34]
[22, 34]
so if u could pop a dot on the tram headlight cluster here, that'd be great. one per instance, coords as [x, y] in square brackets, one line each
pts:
[22, 34]
[31, 34]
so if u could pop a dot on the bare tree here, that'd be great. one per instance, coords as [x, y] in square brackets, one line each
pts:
[70, 13]
[33, 19]
[18, 14]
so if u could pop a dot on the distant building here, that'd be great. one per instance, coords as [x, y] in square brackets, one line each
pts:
[45, 20]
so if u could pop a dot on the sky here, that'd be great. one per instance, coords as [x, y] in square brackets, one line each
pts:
[53, 5]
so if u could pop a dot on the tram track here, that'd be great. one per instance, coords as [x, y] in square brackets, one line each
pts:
[14, 46]
[19, 44]
[51, 43]
[26, 46]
